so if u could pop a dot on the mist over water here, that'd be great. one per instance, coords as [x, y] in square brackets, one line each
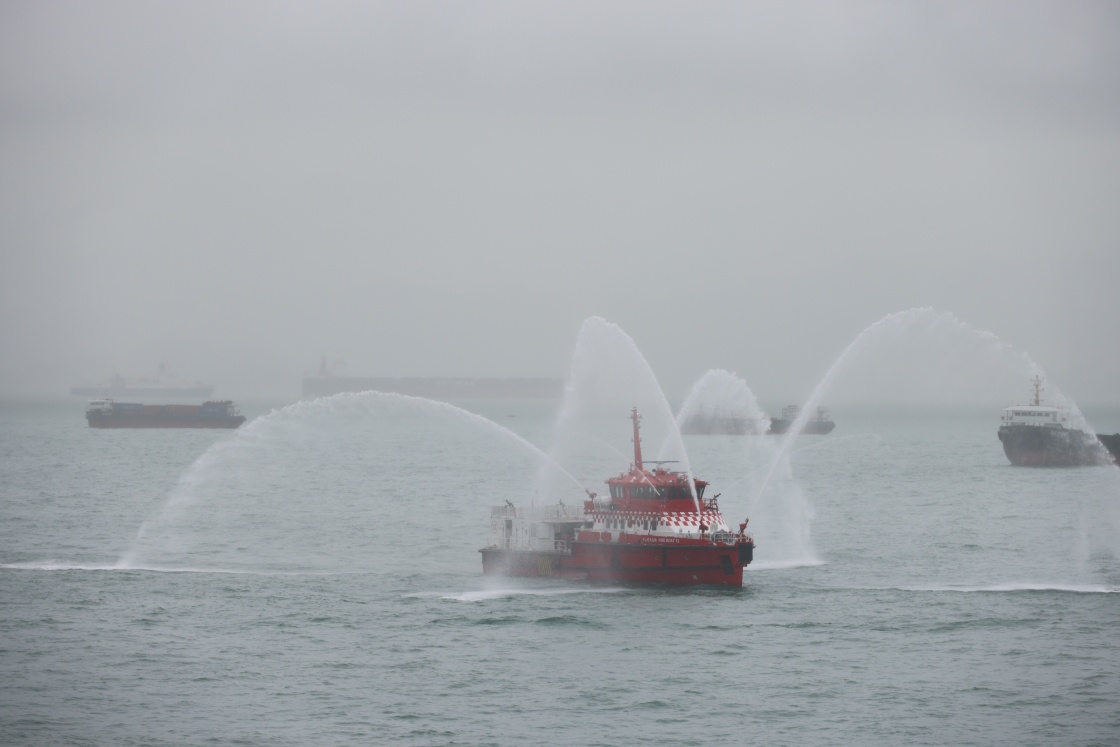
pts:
[333, 543]
[355, 441]
[237, 191]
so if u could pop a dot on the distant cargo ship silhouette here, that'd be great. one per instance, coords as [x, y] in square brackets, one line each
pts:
[327, 383]
[740, 425]
[160, 386]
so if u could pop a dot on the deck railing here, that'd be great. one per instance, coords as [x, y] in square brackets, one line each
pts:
[553, 512]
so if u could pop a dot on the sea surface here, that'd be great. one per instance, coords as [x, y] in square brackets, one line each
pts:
[314, 579]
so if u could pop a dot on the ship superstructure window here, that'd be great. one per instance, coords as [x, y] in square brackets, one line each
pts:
[654, 492]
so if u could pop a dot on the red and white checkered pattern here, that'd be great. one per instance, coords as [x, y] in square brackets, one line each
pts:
[672, 519]
[691, 519]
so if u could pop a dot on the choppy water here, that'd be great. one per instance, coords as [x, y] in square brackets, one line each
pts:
[315, 580]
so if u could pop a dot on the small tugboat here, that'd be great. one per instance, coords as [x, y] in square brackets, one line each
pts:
[105, 413]
[649, 530]
[1038, 435]
[820, 424]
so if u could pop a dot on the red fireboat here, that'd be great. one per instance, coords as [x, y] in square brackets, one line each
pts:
[652, 529]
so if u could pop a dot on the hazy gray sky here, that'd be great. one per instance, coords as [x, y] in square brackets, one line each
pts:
[452, 188]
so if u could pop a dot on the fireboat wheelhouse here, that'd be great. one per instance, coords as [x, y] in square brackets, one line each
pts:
[648, 530]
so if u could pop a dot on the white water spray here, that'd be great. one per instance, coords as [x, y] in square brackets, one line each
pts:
[894, 323]
[608, 376]
[287, 423]
[721, 394]
[925, 324]
[781, 523]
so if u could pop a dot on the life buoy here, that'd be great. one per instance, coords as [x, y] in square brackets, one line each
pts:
[493, 526]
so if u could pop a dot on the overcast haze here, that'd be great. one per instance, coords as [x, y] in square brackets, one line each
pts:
[236, 189]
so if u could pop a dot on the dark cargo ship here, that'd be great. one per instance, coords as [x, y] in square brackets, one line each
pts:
[1038, 435]
[820, 424]
[105, 413]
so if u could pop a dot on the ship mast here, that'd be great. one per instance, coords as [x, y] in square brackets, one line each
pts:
[635, 417]
[1037, 382]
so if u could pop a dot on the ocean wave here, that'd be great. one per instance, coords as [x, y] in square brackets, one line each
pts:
[488, 594]
[781, 565]
[1069, 588]
[55, 566]
[49, 565]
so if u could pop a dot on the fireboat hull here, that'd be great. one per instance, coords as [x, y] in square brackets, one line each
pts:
[628, 562]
